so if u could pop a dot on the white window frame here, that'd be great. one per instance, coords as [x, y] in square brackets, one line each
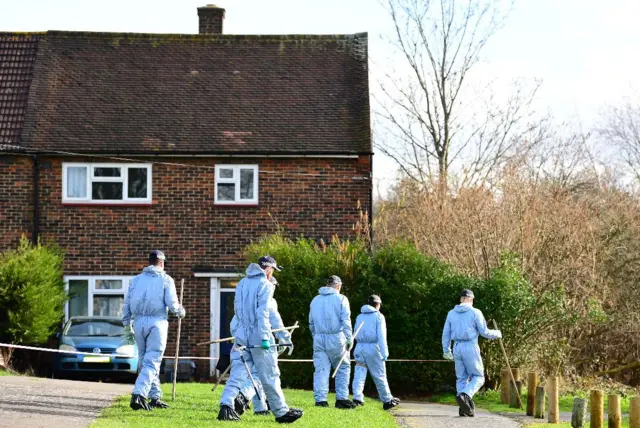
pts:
[124, 178]
[93, 291]
[236, 180]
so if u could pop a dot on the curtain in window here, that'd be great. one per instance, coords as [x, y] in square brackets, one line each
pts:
[77, 182]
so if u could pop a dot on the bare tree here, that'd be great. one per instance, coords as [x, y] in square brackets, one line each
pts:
[621, 130]
[426, 128]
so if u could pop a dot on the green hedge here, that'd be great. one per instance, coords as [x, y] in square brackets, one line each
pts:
[32, 293]
[417, 292]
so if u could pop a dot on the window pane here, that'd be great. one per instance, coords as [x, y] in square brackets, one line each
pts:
[226, 173]
[77, 181]
[226, 192]
[106, 191]
[137, 186]
[78, 297]
[107, 306]
[108, 284]
[106, 172]
[246, 183]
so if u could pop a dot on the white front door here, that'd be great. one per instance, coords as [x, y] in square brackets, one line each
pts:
[222, 298]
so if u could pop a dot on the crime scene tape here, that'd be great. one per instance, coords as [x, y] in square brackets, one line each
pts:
[35, 348]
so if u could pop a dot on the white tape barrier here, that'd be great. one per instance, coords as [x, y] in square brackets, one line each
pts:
[34, 348]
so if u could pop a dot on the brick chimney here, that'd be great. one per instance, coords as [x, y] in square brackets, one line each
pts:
[211, 18]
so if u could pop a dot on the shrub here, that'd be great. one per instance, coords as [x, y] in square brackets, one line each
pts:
[32, 293]
[417, 292]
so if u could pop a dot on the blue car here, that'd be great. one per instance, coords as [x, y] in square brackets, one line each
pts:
[100, 335]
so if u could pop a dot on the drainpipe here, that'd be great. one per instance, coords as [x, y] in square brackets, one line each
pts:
[36, 215]
[371, 199]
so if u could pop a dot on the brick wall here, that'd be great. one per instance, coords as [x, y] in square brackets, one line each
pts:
[16, 199]
[305, 197]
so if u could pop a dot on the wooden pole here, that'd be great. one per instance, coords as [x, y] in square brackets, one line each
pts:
[634, 412]
[516, 374]
[539, 410]
[532, 385]
[506, 359]
[175, 361]
[579, 414]
[554, 400]
[615, 413]
[514, 394]
[597, 409]
[505, 380]
[224, 373]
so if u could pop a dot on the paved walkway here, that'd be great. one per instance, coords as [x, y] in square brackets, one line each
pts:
[33, 402]
[428, 415]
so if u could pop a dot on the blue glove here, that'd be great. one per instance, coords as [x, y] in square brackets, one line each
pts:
[265, 344]
[384, 358]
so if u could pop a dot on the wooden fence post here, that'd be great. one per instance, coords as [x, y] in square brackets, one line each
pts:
[505, 382]
[579, 414]
[554, 400]
[539, 410]
[634, 412]
[514, 392]
[615, 413]
[532, 385]
[597, 409]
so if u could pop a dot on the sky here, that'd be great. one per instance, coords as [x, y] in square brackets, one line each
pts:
[585, 52]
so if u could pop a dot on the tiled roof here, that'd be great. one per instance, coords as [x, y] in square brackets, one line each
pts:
[154, 93]
[17, 57]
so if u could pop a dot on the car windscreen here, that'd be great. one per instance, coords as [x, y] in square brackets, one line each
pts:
[94, 328]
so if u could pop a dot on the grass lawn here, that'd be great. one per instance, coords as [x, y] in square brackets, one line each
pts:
[196, 406]
[490, 400]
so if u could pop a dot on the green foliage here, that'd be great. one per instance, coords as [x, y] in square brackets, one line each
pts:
[31, 293]
[417, 293]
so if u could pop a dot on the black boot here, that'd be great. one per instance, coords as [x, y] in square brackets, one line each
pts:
[463, 402]
[138, 402]
[262, 413]
[345, 404]
[291, 416]
[227, 414]
[473, 408]
[157, 403]
[358, 402]
[240, 404]
[322, 404]
[391, 404]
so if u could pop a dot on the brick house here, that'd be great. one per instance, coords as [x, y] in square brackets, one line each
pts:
[113, 144]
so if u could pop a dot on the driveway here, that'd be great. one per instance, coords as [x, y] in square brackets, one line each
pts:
[426, 415]
[38, 402]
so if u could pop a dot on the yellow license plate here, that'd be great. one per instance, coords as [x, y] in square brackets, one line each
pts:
[92, 359]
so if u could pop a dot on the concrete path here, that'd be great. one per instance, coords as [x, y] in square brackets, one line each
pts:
[428, 415]
[33, 402]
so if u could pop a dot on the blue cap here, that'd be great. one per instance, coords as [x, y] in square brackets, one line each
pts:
[334, 280]
[156, 255]
[466, 293]
[268, 261]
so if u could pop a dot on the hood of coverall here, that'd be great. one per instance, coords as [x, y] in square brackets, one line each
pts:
[463, 307]
[254, 270]
[153, 270]
[368, 309]
[325, 291]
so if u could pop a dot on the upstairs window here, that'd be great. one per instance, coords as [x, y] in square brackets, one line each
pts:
[106, 183]
[236, 185]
